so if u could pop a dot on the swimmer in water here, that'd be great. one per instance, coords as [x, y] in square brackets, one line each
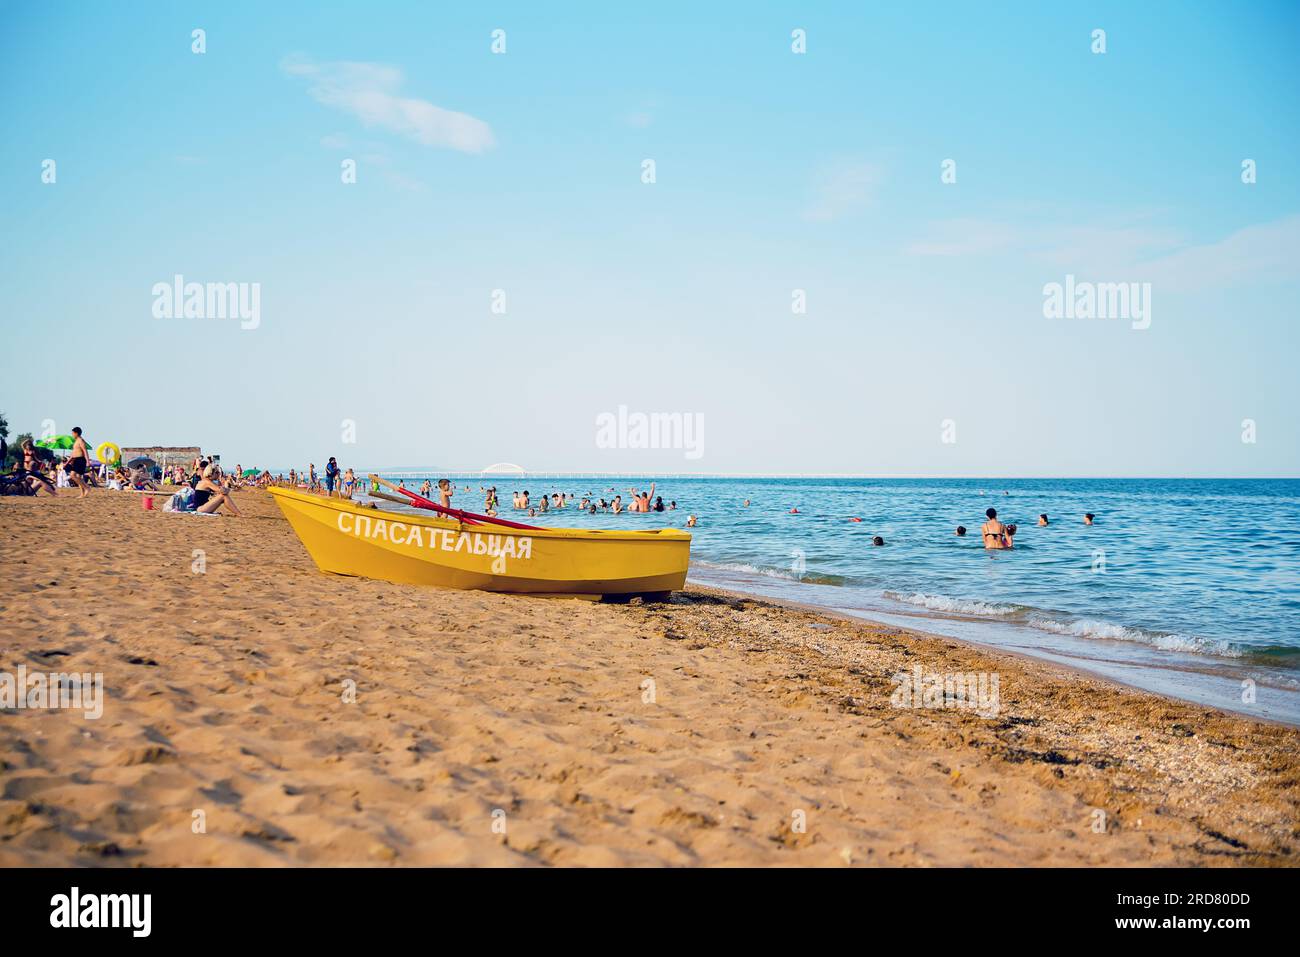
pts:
[1087, 518]
[746, 503]
[877, 541]
[994, 532]
[1042, 520]
[961, 530]
[690, 521]
[444, 493]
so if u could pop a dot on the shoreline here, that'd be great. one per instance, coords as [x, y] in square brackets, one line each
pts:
[1024, 657]
[699, 731]
[1181, 676]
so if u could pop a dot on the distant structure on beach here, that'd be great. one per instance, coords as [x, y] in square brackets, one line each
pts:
[165, 455]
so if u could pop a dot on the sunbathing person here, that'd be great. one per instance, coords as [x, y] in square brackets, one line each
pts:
[140, 481]
[33, 477]
[209, 495]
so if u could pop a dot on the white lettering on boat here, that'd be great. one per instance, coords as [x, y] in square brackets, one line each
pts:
[497, 547]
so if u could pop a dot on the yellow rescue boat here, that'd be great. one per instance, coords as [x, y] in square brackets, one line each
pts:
[350, 539]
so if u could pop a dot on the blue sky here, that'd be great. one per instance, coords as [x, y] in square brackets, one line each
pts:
[775, 171]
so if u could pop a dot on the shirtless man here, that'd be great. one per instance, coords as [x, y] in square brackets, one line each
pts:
[641, 503]
[994, 532]
[445, 492]
[75, 467]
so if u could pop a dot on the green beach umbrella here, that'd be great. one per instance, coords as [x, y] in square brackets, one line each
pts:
[58, 442]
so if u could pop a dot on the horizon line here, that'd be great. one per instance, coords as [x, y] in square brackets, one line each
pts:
[544, 473]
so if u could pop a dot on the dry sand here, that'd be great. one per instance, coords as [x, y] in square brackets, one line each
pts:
[226, 696]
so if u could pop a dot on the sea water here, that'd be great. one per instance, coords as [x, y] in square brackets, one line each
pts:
[1188, 587]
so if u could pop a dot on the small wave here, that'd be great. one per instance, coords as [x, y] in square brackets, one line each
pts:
[1093, 628]
[785, 574]
[957, 606]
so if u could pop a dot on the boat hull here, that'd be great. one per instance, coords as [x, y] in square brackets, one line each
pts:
[344, 538]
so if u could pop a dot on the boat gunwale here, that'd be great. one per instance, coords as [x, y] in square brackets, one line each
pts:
[645, 537]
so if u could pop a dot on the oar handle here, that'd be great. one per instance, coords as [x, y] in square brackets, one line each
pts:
[469, 518]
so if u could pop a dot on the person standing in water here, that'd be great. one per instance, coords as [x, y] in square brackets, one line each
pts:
[994, 532]
[445, 491]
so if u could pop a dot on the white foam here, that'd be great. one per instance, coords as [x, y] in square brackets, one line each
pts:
[785, 574]
[1095, 628]
[956, 606]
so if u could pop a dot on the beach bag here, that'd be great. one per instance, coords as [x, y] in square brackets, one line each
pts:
[182, 501]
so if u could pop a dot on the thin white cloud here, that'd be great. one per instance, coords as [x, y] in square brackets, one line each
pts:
[1264, 252]
[335, 141]
[964, 237]
[842, 189]
[369, 91]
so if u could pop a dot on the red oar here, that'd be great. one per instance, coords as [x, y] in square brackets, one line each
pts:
[469, 518]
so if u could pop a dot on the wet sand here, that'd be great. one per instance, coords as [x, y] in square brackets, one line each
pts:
[497, 730]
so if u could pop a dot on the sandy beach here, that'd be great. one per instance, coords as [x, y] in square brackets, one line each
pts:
[497, 730]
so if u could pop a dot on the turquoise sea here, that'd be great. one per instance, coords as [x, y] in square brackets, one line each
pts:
[1190, 587]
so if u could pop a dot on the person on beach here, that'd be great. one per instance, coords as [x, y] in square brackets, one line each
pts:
[1087, 518]
[445, 492]
[209, 495]
[994, 532]
[1042, 520]
[31, 475]
[75, 467]
[331, 475]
